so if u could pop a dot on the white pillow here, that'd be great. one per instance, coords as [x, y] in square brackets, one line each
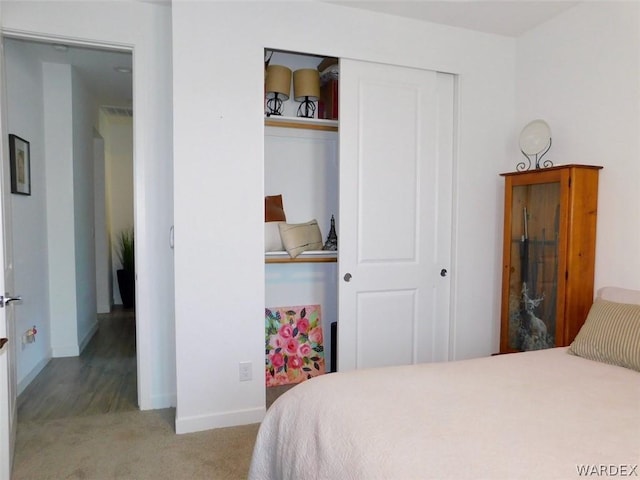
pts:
[272, 239]
[619, 295]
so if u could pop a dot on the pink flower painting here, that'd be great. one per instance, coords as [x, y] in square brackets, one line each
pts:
[294, 350]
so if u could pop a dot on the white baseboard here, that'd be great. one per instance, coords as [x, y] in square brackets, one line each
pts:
[65, 351]
[158, 401]
[75, 350]
[104, 308]
[24, 383]
[220, 420]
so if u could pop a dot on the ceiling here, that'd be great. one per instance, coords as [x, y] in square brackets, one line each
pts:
[507, 17]
[98, 68]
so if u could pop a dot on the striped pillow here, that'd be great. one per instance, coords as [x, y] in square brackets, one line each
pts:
[611, 334]
[300, 237]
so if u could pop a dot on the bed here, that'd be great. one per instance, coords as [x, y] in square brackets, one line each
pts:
[556, 413]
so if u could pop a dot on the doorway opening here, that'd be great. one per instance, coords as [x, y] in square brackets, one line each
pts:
[73, 104]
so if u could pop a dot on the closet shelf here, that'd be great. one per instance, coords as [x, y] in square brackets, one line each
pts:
[311, 256]
[299, 122]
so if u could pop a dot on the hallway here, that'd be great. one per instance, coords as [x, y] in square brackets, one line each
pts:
[101, 380]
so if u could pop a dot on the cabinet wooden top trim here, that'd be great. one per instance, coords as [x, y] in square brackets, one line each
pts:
[549, 169]
[306, 123]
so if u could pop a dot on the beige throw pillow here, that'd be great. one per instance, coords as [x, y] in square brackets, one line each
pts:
[300, 237]
[611, 334]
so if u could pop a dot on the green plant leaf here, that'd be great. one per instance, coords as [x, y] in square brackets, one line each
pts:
[125, 249]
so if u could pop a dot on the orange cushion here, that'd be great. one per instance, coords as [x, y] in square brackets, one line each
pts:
[273, 209]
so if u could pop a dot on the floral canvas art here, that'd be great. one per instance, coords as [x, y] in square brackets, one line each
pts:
[294, 344]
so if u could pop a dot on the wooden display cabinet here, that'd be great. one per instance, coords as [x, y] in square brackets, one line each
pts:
[548, 255]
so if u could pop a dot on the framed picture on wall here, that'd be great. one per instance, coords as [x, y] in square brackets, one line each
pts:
[20, 162]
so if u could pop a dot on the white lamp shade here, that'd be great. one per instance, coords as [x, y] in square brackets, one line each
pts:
[278, 81]
[306, 84]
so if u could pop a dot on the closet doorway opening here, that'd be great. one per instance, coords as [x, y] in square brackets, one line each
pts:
[301, 182]
[81, 140]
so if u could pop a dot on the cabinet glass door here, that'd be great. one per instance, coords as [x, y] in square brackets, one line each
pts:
[533, 277]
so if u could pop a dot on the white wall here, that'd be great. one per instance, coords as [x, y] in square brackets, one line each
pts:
[104, 278]
[118, 138]
[85, 116]
[144, 27]
[58, 147]
[24, 81]
[580, 73]
[218, 151]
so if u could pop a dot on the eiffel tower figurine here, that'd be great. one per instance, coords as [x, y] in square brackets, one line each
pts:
[332, 238]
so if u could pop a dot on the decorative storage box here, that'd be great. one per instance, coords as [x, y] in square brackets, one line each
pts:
[329, 100]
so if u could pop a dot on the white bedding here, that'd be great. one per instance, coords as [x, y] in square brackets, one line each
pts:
[537, 415]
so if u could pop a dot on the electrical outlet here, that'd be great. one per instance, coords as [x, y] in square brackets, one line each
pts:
[29, 336]
[245, 371]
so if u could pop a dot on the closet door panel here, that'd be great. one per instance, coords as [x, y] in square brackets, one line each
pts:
[388, 174]
[391, 187]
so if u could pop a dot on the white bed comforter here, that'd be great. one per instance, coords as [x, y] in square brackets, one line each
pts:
[538, 415]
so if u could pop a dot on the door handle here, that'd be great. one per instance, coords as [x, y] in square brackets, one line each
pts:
[347, 277]
[2, 342]
[5, 300]
[443, 272]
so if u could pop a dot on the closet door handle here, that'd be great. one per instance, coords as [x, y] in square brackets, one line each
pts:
[347, 277]
[3, 341]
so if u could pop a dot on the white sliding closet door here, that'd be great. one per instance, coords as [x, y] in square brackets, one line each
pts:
[396, 138]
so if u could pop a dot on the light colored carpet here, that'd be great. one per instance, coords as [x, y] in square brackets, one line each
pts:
[130, 445]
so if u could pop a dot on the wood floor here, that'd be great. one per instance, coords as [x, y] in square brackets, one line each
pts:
[101, 380]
